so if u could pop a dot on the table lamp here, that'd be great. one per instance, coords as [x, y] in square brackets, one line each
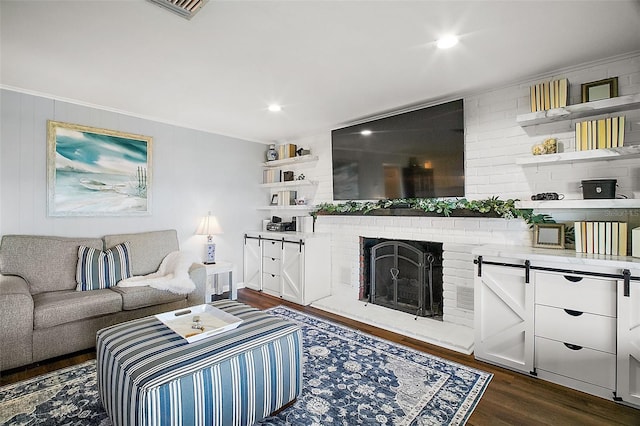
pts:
[209, 226]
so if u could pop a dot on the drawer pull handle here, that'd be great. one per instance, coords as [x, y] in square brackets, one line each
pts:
[573, 347]
[573, 313]
[572, 278]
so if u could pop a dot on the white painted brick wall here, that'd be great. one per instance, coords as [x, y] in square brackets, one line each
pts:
[493, 139]
[458, 235]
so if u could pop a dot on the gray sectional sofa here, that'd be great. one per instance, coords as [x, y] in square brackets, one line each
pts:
[43, 316]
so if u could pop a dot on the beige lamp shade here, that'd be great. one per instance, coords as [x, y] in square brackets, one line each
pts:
[209, 226]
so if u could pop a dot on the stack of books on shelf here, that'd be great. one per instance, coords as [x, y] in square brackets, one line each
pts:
[549, 94]
[287, 198]
[271, 176]
[287, 150]
[601, 238]
[599, 134]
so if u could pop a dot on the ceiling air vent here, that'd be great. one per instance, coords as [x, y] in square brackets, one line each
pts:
[184, 8]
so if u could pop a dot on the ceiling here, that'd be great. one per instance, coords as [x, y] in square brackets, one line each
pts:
[327, 63]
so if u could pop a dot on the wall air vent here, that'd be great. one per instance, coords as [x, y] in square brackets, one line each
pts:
[184, 8]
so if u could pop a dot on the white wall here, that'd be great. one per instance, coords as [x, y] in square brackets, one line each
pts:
[193, 172]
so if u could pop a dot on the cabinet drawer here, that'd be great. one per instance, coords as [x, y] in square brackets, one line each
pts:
[271, 265]
[587, 365]
[588, 330]
[575, 292]
[271, 284]
[272, 249]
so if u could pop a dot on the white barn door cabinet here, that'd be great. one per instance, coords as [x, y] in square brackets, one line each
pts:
[252, 265]
[629, 341]
[561, 316]
[293, 266]
[504, 322]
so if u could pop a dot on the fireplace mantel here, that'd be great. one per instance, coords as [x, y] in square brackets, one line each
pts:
[413, 212]
[430, 207]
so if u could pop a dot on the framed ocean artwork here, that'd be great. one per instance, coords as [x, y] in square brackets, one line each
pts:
[97, 172]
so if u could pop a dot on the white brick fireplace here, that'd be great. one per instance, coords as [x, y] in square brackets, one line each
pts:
[458, 234]
[493, 141]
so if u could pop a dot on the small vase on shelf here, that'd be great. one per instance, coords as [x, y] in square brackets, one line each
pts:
[272, 154]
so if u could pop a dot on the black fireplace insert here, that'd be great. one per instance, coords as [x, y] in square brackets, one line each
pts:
[403, 275]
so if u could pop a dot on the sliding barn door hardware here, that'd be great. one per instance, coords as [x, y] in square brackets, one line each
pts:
[626, 274]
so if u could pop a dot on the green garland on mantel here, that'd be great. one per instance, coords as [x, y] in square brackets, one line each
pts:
[492, 207]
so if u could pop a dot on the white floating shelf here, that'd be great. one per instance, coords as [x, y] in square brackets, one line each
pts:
[618, 203]
[589, 155]
[300, 208]
[291, 161]
[289, 184]
[604, 106]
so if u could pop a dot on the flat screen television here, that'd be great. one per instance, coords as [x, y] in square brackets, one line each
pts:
[416, 154]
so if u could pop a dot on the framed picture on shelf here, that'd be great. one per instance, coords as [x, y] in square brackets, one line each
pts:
[97, 172]
[601, 89]
[548, 235]
[274, 199]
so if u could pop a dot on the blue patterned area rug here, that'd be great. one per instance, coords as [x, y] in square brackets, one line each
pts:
[350, 378]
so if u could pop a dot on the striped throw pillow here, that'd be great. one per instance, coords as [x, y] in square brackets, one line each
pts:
[102, 269]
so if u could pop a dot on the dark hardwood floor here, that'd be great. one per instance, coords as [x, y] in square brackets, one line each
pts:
[510, 399]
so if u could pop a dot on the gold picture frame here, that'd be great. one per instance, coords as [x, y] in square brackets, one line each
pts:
[548, 235]
[601, 89]
[97, 172]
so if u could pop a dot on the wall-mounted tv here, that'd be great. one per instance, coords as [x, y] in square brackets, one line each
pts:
[416, 154]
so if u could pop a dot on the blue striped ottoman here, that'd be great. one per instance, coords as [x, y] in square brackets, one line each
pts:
[148, 375]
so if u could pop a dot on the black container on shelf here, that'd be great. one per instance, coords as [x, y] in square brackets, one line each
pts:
[598, 188]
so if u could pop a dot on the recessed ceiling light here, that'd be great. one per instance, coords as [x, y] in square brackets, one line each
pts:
[275, 108]
[447, 41]
[365, 132]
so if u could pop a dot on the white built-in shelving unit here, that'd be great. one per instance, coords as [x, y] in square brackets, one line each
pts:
[571, 112]
[293, 161]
